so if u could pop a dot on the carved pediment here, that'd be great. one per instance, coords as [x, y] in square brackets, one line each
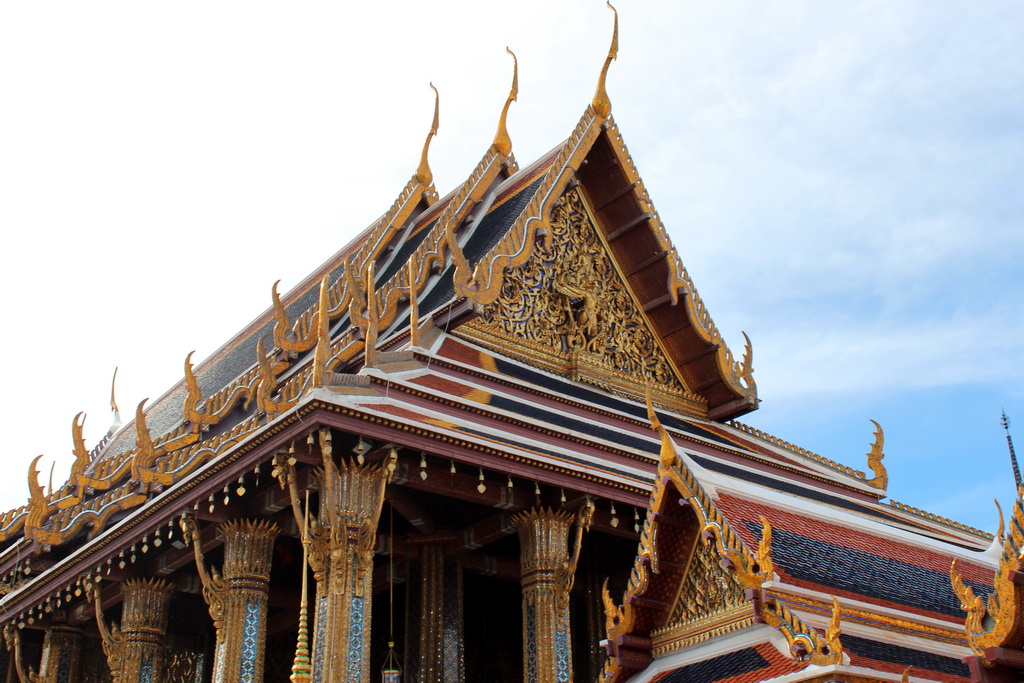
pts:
[568, 310]
[707, 589]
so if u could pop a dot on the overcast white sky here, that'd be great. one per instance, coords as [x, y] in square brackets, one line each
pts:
[842, 180]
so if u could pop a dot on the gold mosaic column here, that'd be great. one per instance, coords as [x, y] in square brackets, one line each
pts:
[238, 596]
[547, 572]
[342, 538]
[441, 632]
[135, 652]
[62, 652]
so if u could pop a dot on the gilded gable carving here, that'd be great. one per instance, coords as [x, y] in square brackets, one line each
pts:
[707, 590]
[568, 310]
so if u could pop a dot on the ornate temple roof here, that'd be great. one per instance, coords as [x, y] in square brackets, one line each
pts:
[535, 322]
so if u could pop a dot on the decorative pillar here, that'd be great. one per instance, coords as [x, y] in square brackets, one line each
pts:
[341, 541]
[62, 652]
[441, 632]
[135, 652]
[237, 596]
[547, 577]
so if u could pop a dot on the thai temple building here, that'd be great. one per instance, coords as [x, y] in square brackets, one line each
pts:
[495, 438]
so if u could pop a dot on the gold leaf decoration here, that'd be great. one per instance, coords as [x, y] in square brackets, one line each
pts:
[881, 478]
[567, 309]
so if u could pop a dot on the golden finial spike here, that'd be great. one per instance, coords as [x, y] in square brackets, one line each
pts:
[668, 454]
[906, 675]
[113, 401]
[1002, 522]
[414, 304]
[194, 395]
[373, 319]
[78, 448]
[143, 439]
[423, 174]
[35, 491]
[833, 633]
[602, 105]
[747, 364]
[881, 478]
[502, 142]
[322, 354]
[651, 415]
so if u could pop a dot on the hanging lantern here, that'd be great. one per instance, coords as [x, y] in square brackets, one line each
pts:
[391, 672]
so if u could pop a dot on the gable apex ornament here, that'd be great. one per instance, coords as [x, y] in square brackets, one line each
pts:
[502, 141]
[602, 104]
[424, 176]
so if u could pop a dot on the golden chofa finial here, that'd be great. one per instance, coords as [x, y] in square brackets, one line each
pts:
[502, 142]
[113, 402]
[602, 105]
[881, 478]
[423, 174]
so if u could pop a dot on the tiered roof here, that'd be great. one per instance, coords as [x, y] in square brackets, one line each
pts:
[536, 322]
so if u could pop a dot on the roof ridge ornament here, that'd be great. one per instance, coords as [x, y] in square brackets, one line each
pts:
[668, 454]
[286, 337]
[1002, 522]
[193, 394]
[424, 176]
[414, 304]
[881, 478]
[372, 318]
[78, 449]
[322, 353]
[602, 104]
[833, 632]
[113, 405]
[502, 141]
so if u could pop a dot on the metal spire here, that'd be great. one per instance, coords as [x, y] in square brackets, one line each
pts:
[1005, 421]
[302, 669]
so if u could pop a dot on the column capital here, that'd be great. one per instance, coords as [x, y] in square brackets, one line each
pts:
[248, 546]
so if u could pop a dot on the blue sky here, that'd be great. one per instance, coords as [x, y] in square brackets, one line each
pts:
[841, 179]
